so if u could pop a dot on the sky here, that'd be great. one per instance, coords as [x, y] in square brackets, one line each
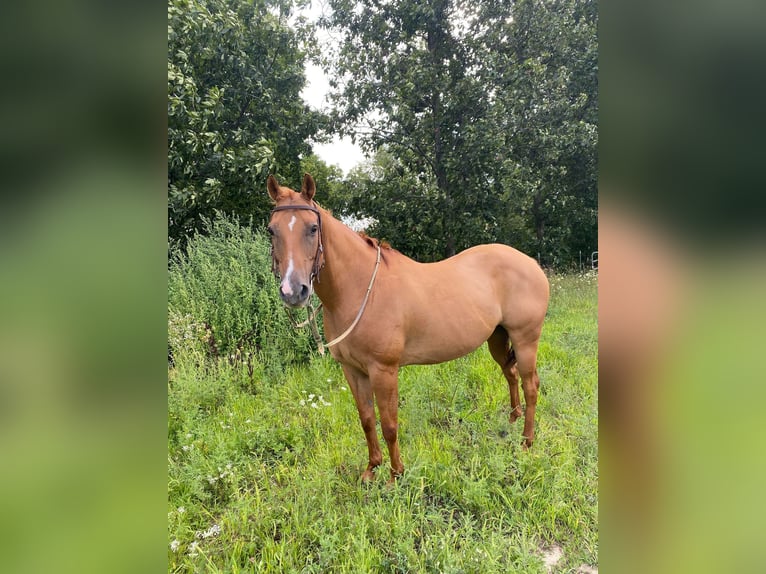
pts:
[340, 151]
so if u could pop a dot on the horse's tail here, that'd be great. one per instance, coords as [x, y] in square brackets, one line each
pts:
[511, 359]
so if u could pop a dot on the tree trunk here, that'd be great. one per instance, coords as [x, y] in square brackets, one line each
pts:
[538, 219]
[436, 47]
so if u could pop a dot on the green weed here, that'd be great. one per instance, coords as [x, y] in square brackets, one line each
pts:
[223, 301]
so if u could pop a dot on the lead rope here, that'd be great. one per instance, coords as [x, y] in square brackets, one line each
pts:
[346, 333]
[311, 320]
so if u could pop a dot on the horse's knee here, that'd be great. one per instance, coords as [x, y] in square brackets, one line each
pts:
[530, 384]
[530, 395]
[389, 431]
[368, 423]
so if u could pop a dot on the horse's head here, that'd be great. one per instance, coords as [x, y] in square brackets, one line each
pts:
[296, 240]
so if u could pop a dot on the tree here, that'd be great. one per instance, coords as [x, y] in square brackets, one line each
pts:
[545, 70]
[235, 72]
[490, 106]
[404, 80]
[405, 204]
[328, 179]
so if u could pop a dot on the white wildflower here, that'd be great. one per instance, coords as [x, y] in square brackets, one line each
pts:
[311, 396]
[303, 403]
[214, 530]
[181, 510]
[314, 406]
[193, 547]
[174, 545]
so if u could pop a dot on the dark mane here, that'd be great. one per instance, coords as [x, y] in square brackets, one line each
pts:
[374, 242]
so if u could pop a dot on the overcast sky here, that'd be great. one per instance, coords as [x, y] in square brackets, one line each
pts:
[340, 151]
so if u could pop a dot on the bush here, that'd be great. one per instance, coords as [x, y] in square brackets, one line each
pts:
[223, 300]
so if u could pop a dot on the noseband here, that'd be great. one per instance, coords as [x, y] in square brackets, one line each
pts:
[318, 256]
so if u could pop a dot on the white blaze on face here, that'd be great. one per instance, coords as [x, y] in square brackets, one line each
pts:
[285, 286]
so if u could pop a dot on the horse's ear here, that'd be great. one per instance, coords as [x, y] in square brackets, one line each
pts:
[309, 188]
[273, 186]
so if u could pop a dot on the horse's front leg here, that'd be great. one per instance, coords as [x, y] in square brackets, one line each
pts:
[385, 385]
[359, 383]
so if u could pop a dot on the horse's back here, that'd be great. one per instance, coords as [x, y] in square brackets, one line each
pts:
[510, 272]
[464, 298]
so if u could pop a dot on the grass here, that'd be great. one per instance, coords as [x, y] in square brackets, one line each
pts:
[264, 477]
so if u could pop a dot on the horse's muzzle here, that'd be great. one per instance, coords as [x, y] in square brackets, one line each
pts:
[295, 295]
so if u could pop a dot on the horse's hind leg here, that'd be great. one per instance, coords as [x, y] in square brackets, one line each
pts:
[506, 358]
[526, 356]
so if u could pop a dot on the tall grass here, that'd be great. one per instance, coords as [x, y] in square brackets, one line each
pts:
[264, 470]
[223, 302]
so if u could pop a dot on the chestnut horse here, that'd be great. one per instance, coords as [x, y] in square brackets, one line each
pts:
[386, 310]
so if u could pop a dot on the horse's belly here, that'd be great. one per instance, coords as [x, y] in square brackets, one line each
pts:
[441, 344]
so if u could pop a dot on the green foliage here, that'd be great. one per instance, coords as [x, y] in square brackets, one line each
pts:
[407, 78]
[547, 109]
[223, 301]
[235, 72]
[268, 481]
[490, 110]
[328, 179]
[406, 206]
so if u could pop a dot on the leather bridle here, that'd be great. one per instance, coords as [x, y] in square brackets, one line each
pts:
[317, 267]
[318, 256]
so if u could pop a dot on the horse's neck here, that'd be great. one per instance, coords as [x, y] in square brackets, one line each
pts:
[349, 261]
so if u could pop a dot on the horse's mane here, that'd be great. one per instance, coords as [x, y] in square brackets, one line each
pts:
[374, 242]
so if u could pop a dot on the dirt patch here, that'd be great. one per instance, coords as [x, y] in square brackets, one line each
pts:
[552, 555]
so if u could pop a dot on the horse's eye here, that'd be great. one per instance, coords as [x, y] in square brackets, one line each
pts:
[313, 229]
[271, 231]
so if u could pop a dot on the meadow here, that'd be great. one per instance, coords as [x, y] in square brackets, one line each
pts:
[264, 459]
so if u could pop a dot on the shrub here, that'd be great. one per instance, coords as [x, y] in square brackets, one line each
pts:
[223, 300]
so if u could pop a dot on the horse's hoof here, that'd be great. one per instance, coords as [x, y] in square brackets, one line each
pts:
[514, 416]
[526, 443]
[368, 477]
[392, 481]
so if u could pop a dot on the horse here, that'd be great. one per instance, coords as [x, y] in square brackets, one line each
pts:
[385, 310]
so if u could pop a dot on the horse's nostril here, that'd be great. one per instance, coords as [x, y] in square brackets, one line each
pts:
[304, 291]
